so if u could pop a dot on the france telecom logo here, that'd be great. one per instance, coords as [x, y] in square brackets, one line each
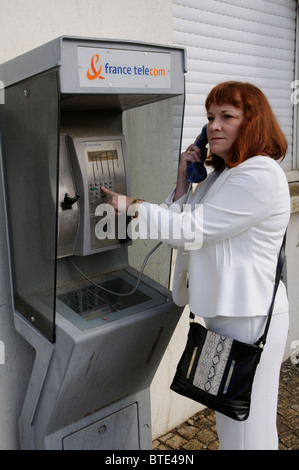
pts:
[119, 68]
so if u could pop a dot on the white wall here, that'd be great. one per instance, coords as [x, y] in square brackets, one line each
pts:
[26, 24]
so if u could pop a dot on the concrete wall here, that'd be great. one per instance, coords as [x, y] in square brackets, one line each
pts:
[25, 25]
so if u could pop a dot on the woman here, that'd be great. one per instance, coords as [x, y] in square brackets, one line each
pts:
[230, 234]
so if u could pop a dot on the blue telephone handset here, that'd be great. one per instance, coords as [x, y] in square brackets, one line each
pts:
[196, 171]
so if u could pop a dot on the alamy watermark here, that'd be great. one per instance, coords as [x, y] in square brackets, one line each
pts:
[159, 223]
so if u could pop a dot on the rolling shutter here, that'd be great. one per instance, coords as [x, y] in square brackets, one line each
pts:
[238, 40]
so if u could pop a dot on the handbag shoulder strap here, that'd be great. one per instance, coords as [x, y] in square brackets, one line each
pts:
[262, 340]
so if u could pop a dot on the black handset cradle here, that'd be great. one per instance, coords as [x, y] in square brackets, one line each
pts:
[196, 172]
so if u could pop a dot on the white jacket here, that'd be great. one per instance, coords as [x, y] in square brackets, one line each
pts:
[238, 220]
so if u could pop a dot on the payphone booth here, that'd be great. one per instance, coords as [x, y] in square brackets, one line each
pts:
[98, 340]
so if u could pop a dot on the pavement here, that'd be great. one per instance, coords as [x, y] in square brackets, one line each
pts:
[199, 432]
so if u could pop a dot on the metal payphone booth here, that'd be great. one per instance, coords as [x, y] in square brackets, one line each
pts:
[96, 351]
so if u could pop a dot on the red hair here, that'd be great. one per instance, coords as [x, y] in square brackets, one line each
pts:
[259, 134]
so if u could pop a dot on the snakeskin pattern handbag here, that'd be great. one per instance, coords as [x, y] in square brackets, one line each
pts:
[218, 371]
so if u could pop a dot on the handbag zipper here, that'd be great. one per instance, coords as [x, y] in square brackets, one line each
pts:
[229, 376]
[191, 362]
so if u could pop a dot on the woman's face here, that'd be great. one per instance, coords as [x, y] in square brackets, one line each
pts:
[223, 128]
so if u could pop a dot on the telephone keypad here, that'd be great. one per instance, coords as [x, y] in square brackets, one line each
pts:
[95, 192]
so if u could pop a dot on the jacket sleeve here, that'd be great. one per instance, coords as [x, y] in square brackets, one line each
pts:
[249, 194]
[252, 193]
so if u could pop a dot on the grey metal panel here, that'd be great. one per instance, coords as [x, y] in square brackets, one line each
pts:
[67, 218]
[116, 431]
[90, 375]
[29, 137]
[34, 62]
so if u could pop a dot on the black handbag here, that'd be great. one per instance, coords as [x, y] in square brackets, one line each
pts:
[218, 371]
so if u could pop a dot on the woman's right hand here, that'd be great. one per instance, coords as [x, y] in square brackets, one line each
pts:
[191, 155]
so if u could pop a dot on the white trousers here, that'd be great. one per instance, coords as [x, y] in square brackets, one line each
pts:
[259, 431]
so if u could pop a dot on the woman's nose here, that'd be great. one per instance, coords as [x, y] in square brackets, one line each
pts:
[215, 125]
